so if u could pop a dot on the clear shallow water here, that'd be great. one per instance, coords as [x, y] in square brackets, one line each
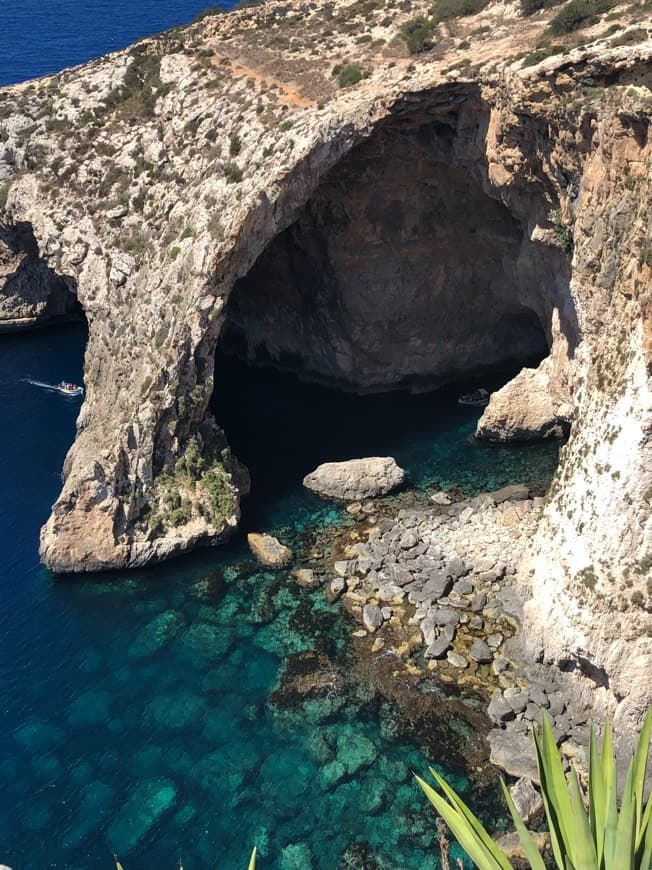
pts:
[135, 712]
[39, 37]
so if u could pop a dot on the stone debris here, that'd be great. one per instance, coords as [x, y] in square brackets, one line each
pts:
[450, 575]
[355, 479]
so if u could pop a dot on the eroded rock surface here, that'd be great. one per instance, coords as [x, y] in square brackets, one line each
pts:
[356, 478]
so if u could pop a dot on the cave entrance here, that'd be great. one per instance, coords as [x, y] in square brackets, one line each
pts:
[400, 275]
[400, 272]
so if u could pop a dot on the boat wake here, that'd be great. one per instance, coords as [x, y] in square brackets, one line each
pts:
[52, 387]
[56, 388]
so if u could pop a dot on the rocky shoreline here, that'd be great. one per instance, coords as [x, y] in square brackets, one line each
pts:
[438, 589]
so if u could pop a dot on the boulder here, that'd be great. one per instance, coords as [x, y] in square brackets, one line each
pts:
[527, 799]
[372, 617]
[356, 478]
[305, 577]
[480, 652]
[499, 710]
[525, 409]
[514, 753]
[438, 648]
[269, 551]
[513, 492]
[510, 844]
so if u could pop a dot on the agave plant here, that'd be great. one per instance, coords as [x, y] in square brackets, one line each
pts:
[587, 832]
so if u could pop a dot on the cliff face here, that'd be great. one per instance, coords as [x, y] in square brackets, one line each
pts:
[449, 210]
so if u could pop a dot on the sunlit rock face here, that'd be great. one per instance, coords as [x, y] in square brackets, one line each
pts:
[404, 268]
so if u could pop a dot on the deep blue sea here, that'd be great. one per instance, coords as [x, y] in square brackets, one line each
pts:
[136, 716]
[40, 37]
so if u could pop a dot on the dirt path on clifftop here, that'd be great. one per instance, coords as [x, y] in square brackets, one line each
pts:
[290, 90]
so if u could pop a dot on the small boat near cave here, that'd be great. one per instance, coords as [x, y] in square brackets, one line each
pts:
[477, 399]
[69, 389]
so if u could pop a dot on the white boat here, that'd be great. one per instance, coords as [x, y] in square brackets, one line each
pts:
[477, 399]
[68, 389]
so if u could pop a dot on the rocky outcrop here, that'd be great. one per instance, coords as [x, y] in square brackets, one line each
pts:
[451, 208]
[269, 551]
[356, 479]
[526, 409]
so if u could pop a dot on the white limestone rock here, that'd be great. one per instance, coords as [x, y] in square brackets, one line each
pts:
[356, 478]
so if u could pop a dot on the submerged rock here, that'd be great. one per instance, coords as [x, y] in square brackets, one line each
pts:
[355, 479]
[296, 857]
[37, 735]
[269, 551]
[355, 751]
[139, 813]
[96, 800]
[158, 632]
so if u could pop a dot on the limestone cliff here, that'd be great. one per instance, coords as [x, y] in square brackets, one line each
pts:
[461, 206]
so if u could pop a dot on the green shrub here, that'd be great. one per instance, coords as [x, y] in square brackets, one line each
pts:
[181, 515]
[535, 56]
[349, 75]
[444, 10]
[417, 34]
[284, 126]
[174, 252]
[638, 34]
[232, 172]
[235, 145]
[578, 13]
[529, 7]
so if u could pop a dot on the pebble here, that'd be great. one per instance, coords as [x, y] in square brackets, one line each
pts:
[456, 660]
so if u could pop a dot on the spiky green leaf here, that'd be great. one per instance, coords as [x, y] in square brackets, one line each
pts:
[478, 846]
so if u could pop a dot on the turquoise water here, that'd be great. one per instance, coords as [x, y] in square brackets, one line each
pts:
[138, 713]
